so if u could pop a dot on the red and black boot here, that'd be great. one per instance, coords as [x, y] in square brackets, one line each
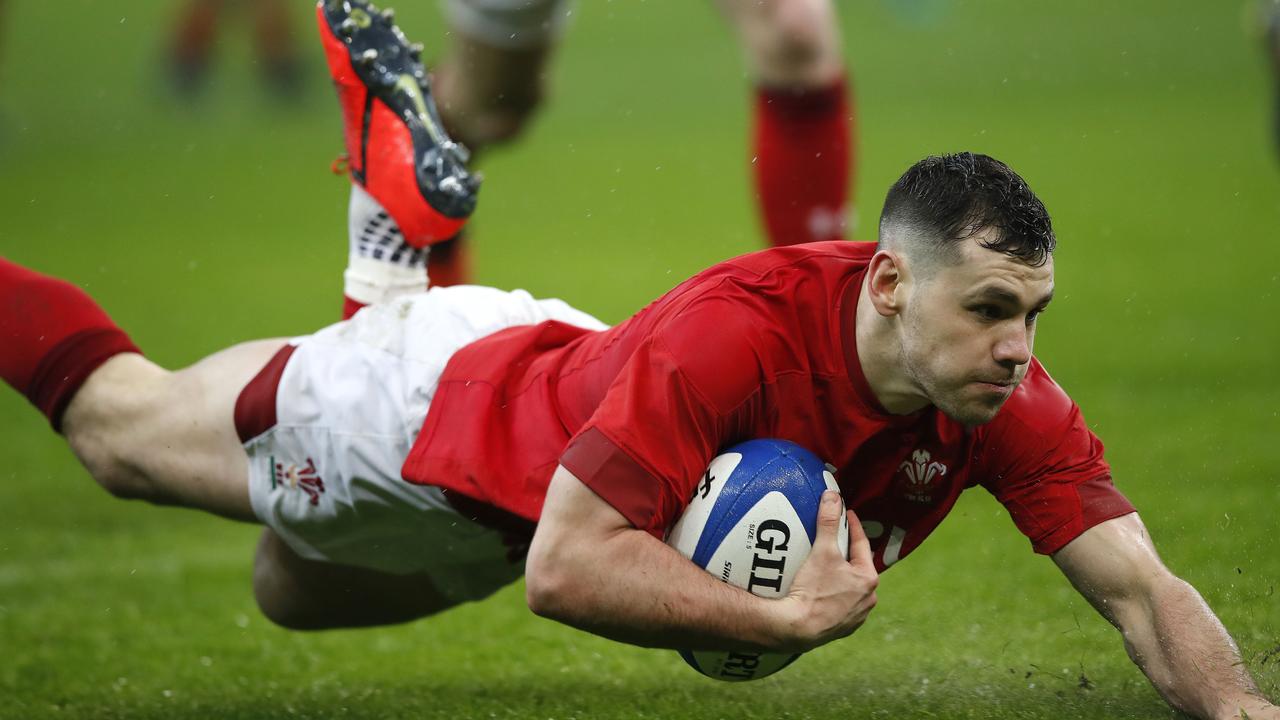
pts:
[397, 148]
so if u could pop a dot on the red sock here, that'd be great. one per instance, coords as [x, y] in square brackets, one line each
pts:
[350, 307]
[52, 336]
[449, 262]
[802, 162]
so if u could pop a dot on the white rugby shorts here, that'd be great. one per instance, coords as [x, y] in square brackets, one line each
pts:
[512, 24]
[329, 421]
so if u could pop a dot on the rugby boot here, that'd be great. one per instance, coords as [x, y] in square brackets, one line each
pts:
[397, 148]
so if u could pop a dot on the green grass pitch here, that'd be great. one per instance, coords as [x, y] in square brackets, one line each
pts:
[1143, 125]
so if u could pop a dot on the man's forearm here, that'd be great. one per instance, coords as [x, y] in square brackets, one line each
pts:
[590, 568]
[1168, 629]
[1187, 653]
[634, 589]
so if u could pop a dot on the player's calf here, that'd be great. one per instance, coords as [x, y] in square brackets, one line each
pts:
[169, 438]
[141, 431]
[802, 145]
[102, 418]
[53, 336]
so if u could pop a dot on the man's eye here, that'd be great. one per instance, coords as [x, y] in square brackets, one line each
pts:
[987, 312]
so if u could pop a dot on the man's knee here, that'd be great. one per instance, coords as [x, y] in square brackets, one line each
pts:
[278, 605]
[300, 594]
[282, 610]
[489, 95]
[493, 77]
[500, 120]
[789, 42]
[279, 596]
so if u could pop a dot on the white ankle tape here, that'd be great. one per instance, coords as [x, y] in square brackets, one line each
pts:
[381, 265]
[374, 234]
[370, 281]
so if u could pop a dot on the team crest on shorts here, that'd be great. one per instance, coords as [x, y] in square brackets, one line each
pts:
[920, 475]
[297, 477]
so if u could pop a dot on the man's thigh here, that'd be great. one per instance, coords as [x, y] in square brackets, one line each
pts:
[327, 426]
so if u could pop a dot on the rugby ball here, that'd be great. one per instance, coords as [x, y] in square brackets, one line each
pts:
[751, 522]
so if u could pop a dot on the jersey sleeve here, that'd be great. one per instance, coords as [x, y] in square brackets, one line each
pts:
[684, 393]
[1041, 461]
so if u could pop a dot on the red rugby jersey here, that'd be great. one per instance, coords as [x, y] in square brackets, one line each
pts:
[759, 346]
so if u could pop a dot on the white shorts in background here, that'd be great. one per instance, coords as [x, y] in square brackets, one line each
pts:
[329, 422]
[511, 24]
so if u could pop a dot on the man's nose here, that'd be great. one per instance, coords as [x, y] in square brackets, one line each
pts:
[1014, 345]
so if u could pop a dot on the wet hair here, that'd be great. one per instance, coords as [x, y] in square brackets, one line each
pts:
[944, 199]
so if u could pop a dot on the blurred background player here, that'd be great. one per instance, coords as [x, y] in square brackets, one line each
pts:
[492, 77]
[194, 37]
[1269, 20]
[2, 36]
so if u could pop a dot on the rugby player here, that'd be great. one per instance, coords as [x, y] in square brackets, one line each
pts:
[194, 35]
[492, 78]
[432, 448]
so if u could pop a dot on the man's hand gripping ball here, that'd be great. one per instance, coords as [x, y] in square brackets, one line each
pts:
[831, 596]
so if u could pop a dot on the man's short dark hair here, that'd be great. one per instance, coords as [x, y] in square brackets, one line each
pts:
[946, 198]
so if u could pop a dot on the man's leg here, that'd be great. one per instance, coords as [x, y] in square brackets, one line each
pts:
[381, 265]
[146, 433]
[141, 431]
[1269, 18]
[325, 428]
[191, 45]
[170, 438]
[803, 116]
[410, 185]
[488, 93]
[302, 594]
[279, 64]
[489, 84]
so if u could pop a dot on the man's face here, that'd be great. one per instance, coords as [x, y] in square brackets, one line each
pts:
[968, 330]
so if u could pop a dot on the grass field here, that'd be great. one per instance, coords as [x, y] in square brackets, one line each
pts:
[1143, 125]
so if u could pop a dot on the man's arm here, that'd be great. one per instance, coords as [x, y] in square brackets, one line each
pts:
[590, 568]
[1168, 629]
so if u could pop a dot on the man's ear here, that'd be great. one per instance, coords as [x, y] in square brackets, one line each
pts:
[886, 275]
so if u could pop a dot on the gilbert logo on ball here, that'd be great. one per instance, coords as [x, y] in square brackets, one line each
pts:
[751, 522]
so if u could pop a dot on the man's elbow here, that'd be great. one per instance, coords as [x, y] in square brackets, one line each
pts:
[549, 583]
[544, 595]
